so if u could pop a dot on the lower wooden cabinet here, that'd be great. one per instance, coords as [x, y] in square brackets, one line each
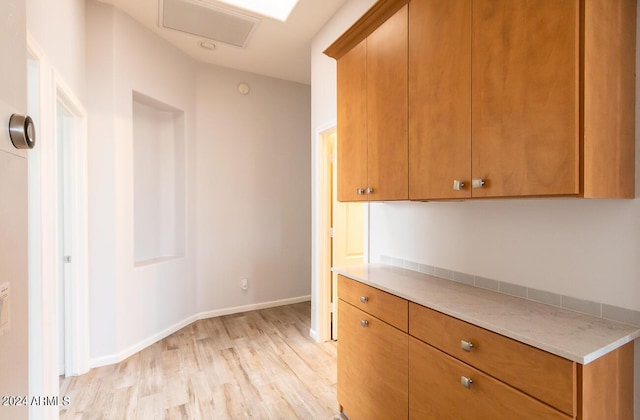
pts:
[442, 387]
[445, 368]
[544, 376]
[372, 366]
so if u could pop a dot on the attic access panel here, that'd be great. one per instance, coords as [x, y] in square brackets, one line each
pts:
[207, 21]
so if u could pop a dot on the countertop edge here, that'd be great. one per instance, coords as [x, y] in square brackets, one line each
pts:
[362, 273]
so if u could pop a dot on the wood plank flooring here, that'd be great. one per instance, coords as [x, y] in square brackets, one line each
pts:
[254, 365]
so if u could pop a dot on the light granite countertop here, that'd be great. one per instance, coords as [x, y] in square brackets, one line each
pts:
[572, 335]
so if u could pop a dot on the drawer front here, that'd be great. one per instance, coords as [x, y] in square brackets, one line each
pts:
[372, 366]
[542, 375]
[436, 391]
[389, 308]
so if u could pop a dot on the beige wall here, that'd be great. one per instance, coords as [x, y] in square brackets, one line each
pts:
[13, 210]
[253, 199]
[247, 180]
[59, 29]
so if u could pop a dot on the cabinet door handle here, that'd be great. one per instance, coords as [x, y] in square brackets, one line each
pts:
[364, 299]
[458, 185]
[466, 382]
[369, 190]
[477, 183]
[364, 323]
[466, 345]
[360, 191]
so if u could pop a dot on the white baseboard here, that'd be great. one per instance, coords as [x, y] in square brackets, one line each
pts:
[253, 307]
[119, 357]
[314, 334]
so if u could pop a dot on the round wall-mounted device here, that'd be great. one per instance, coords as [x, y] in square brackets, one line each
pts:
[22, 131]
[243, 88]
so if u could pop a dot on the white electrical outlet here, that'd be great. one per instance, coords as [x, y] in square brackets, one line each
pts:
[245, 284]
[5, 295]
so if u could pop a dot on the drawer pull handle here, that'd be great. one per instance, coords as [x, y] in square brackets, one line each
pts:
[477, 183]
[364, 323]
[466, 345]
[364, 299]
[466, 382]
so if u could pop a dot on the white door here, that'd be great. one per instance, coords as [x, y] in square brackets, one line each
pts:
[13, 213]
[64, 236]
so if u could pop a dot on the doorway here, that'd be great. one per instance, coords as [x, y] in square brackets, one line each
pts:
[344, 233]
[72, 245]
[64, 138]
[57, 176]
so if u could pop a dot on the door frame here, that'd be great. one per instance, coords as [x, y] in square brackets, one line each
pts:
[76, 290]
[322, 203]
[320, 237]
[44, 261]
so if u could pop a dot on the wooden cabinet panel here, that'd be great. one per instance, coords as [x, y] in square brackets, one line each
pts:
[607, 386]
[390, 308]
[387, 155]
[543, 375]
[372, 366]
[372, 107]
[436, 391]
[525, 90]
[609, 98]
[439, 98]
[352, 123]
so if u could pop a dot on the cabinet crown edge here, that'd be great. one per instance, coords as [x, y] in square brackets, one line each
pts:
[363, 27]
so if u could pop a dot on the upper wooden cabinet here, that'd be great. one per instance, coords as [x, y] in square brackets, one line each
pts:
[372, 109]
[498, 94]
[352, 126]
[525, 102]
[527, 99]
[439, 98]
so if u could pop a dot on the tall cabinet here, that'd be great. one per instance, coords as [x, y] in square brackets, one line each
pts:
[372, 115]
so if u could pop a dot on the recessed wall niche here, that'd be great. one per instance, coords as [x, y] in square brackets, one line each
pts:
[158, 180]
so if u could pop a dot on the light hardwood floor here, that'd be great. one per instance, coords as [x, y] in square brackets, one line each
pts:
[257, 365]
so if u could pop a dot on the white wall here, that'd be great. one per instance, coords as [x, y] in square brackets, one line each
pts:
[13, 210]
[588, 249]
[158, 181]
[247, 182]
[253, 190]
[59, 60]
[131, 306]
[59, 30]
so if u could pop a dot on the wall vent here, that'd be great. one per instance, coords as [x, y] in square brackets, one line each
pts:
[207, 21]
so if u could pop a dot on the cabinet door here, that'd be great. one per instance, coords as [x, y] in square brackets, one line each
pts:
[352, 124]
[387, 49]
[439, 98]
[525, 104]
[436, 391]
[372, 366]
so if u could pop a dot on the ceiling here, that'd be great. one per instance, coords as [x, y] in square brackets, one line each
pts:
[276, 49]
